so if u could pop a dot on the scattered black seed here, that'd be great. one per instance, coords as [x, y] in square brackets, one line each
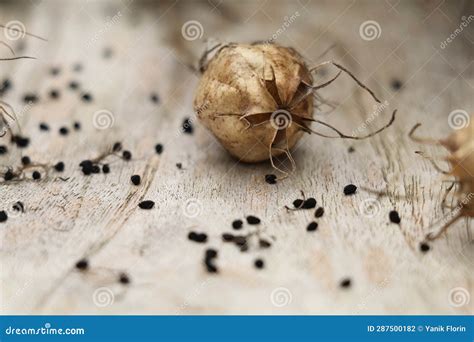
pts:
[5, 86]
[19, 206]
[59, 167]
[297, 203]
[313, 226]
[107, 53]
[270, 179]
[240, 240]
[197, 237]
[158, 148]
[350, 189]
[9, 175]
[77, 67]
[345, 283]
[54, 94]
[20, 141]
[253, 219]
[36, 175]
[3, 149]
[26, 160]
[259, 264]
[179, 166]
[237, 224]
[244, 248]
[87, 167]
[154, 98]
[211, 253]
[54, 71]
[396, 84]
[146, 204]
[3, 216]
[319, 212]
[126, 155]
[227, 237]
[124, 279]
[424, 247]
[209, 257]
[351, 149]
[394, 217]
[135, 179]
[264, 243]
[310, 203]
[95, 169]
[63, 131]
[117, 147]
[30, 98]
[73, 85]
[77, 125]
[82, 264]
[43, 126]
[106, 168]
[187, 126]
[86, 97]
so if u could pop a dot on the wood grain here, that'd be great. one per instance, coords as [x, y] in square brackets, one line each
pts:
[97, 217]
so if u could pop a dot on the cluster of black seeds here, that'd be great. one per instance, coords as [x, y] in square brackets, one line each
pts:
[90, 166]
[82, 265]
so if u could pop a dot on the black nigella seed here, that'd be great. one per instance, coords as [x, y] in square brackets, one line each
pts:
[8, 175]
[351, 149]
[73, 85]
[237, 224]
[59, 167]
[350, 189]
[82, 264]
[394, 217]
[63, 131]
[240, 240]
[319, 212]
[270, 179]
[105, 168]
[135, 179]
[54, 71]
[95, 169]
[227, 237]
[187, 126]
[297, 203]
[197, 237]
[253, 219]
[154, 98]
[77, 125]
[36, 175]
[312, 227]
[86, 97]
[126, 155]
[396, 84]
[43, 126]
[54, 94]
[20, 141]
[146, 204]
[30, 98]
[310, 203]
[6, 85]
[3, 216]
[3, 149]
[264, 243]
[210, 253]
[107, 52]
[209, 257]
[19, 206]
[259, 264]
[26, 160]
[87, 167]
[158, 148]
[77, 67]
[424, 247]
[179, 166]
[117, 147]
[124, 279]
[345, 283]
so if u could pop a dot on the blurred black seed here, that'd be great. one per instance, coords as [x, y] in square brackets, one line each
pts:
[312, 227]
[253, 219]
[59, 167]
[264, 243]
[25, 160]
[8, 175]
[64, 131]
[310, 203]
[135, 179]
[54, 94]
[319, 212]
[270, 179]
[259, 264]
[197, 237]
[82, 264]
[124, 279]
[95, 169]
[158, 148]
[87, 167]
[209, 256]
[43, 126]
[227, 237]
[54, 71]
[86, 97]
[210, 253]
[19, 206]
[237, 224]
[3, 216]
[396, 84]
[20, 141]
[146, 204]
[77, 125]
[73, 85]
[345, 283]
[3, 149]
[187, 126]
[77, 67]
[30, 98]
[424, 247]
[394, 217]
[350, 189]
[126, 155]
[107, 52]
[5, 86]
[179, 166]
[240, 240]
[105, 168]
[36, 175]
[117, 147]
[298, 203]
[351, 149]
[154, 98]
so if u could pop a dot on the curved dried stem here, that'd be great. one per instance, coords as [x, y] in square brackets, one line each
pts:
[23, 32]
[412, 136]
[8, 47]
[421, 153]
[15, 58]
[434, 235]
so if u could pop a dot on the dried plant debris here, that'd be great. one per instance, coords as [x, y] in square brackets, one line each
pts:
[258, 100]
[29, 170]
[460, 145]
[91, 166]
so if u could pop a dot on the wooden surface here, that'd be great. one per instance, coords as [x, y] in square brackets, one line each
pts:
[97, 217]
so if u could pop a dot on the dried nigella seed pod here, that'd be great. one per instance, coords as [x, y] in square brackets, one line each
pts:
[460, 145]
[257, 99]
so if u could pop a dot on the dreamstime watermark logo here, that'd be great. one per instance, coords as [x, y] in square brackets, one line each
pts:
[281, 297]
[377, 110]
[192, 30]
[458, 297]
[5, 126]
[192, 208]
[370, 207]
[14, 30]
[103, 119]
[465, 21]
[280, 119]
[109, 23]
[458, 119]
[103, 296]
[288, 20]
[370, 30]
